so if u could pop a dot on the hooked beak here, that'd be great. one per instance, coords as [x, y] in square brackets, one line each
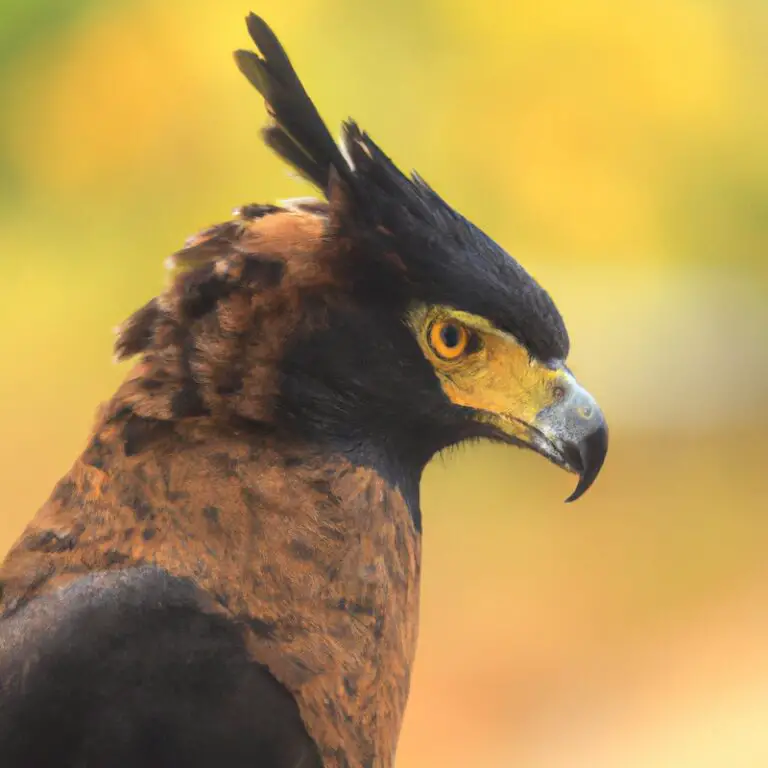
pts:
[572, 433]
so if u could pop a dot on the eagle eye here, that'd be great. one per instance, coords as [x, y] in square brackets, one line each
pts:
[448, 339]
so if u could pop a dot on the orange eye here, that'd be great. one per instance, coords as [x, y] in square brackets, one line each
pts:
[448, 339]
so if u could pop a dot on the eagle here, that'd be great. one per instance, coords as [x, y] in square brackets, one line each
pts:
[228, 575]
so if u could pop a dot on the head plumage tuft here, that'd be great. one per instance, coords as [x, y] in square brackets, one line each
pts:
[297, 133]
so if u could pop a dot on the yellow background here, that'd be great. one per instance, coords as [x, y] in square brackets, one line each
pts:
[620, 151]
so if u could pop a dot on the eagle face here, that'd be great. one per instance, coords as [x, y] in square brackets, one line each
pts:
[511, 396]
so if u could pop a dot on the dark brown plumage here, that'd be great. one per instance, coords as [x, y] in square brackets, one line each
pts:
[229, 574]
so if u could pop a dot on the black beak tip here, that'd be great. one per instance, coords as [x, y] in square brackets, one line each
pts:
[591, 455]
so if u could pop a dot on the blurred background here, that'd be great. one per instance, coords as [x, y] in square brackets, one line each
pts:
[620, 151]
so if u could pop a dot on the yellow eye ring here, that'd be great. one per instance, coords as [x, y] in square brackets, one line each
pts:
[448, 339]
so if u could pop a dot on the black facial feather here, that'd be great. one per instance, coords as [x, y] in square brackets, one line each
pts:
[450, 260]
[447, 258]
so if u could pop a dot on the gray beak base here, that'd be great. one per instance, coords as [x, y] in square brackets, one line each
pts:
[573, 434]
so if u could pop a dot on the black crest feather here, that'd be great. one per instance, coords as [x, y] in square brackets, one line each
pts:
[447, 258]
[298, 133]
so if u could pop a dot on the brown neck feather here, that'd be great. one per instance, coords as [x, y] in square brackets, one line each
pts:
[318, 559]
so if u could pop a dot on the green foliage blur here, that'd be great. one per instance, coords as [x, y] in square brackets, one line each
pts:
[620, 152]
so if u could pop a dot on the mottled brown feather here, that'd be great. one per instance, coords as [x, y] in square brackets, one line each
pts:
[211, 343]
[317, 558]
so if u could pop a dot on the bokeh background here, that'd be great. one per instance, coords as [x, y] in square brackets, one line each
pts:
[620, 151]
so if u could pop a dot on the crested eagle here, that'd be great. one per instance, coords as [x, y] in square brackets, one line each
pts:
[229, 573]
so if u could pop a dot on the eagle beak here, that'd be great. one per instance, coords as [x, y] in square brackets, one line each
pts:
[572, 433]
